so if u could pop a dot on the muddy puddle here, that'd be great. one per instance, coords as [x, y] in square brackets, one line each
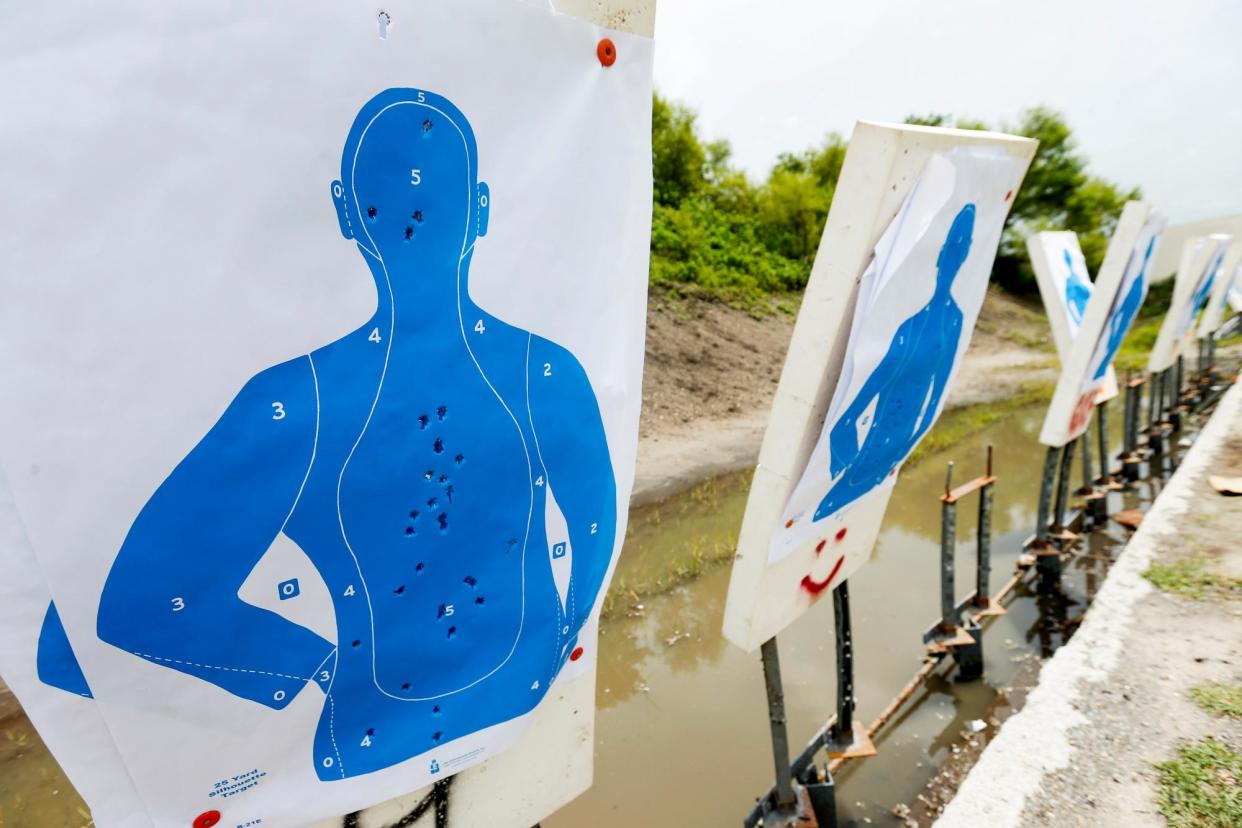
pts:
[682, 734]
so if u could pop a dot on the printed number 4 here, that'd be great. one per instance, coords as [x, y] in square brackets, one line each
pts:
[478, 326]
[366, 741]
[539, 480]
[278, 411]
[375, 335]
[349, 590]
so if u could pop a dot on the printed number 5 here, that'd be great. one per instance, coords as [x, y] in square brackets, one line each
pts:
[278, 411]
[178, 604]
[416, 177]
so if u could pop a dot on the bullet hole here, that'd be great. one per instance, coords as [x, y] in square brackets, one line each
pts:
[510, 546]
[435, 710]
[449, 493]
[430, 473]
[441, 612]
[459, 459]
[452, 632]
[431, 502]
[435, 737]
[372, 213]
[409, 232]
[443, 479]
[443, 518]
[405, 686]
[423, 420]
[441, 413]
[417, 216]
[479, 600]
[438, 446]
[419, 567]
[470, 581]
[414, 515]
[400, 590]
[370, 731]
[409, 531]
[356, 643]
[427, 126]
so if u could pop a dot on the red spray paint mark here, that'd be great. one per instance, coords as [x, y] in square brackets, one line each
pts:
[819, 547]
[841, 535]
[816, 587]
[606, 51]
[1008, 195]
[789, 523]
[206, 819]
[1082, 412]
[576, 654]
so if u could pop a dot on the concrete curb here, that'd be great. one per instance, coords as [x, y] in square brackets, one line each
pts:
[1035, 742]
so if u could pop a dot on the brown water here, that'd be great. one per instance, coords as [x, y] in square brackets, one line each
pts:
[682, 733]
[682, 730]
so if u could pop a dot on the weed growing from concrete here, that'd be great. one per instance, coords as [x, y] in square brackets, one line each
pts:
[1202, 787]
[1191, 578]
[1221, 699]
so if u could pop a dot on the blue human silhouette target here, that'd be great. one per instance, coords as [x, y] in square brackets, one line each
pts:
[446, 473]
[905, 390]
[1077, 291]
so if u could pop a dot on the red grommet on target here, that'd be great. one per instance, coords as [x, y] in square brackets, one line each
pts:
[606, 51]
[206, 819]
[576, 654]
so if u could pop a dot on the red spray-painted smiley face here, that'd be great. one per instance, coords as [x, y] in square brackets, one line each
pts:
[814, 587]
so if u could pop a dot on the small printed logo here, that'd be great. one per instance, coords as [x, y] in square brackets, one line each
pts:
[435, 766]
[289, 589]
[558, 550]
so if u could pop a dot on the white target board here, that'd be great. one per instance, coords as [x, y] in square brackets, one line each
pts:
[322, 422]
[1065, 286]
[889, 310]
[1118, 295]
[1202, 258]
[1226, 285]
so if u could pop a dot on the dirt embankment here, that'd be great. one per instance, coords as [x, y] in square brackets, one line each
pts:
[711, 373]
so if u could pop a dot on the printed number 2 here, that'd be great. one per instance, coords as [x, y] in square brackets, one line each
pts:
[375, 335]
[278, 411]
[547, 369]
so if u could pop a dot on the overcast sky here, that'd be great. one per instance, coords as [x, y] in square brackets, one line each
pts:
[1152, 90]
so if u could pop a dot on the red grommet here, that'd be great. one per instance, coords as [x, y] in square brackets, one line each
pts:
[576, 654]
[606, 51]
[206, 819]
[841, 536]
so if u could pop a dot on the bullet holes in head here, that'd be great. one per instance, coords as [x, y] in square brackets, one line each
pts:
[459, 459]
[427, 127]
[432, 503]
[372, 214]
[400, 590]
[441, 413]
[443, 519]
[423, 419]
[409, 233]
[356, 644]
[470, 581]
[438, 446]
[417, 217]
[430, 473]
[452, 632]
[419, 567]
[409, 532]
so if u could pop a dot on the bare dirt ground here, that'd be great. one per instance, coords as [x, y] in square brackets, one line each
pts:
[711, 373]
[1115, 702]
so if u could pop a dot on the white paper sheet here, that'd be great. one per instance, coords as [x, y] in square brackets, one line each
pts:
[1065, 286]
[1225, 282]
[1202, 257]
[286, 475]
[1112, 308]
[38, 665]
[916, 310]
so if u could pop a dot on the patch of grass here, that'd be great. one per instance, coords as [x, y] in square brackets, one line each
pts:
[1132, 355]
[961, 423]
[1191, 578]
[1202, 787]
[1221, 699]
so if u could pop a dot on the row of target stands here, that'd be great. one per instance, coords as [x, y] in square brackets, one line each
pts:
[1155, 409]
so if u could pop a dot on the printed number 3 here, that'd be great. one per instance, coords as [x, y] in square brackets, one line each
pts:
[178, 604]
[278, 411]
